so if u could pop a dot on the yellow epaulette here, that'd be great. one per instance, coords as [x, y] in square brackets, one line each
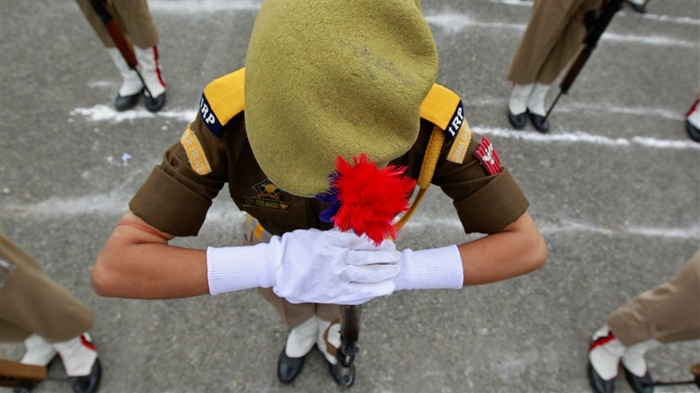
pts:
[444, 108]
[222, 99]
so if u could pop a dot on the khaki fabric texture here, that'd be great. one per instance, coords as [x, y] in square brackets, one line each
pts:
[293, 314]
[553, 36]
[667, 313]
[328, 78]
[175, 199]
[34, 303]
[132, 16]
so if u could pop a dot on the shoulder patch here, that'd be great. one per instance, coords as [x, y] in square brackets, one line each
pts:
[443, 108]
[195, 152]
[459, 148]
[487, 156]
[221, 100]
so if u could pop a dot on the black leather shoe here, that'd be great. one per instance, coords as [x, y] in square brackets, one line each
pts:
[540, 123]
[643, 384]
[155, 104]
[692, 131]
[517, 121]
[288, 368]
[344, 381]
[123, 103]
[91, 382]
[598, 384]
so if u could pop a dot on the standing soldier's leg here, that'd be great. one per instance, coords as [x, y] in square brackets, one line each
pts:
[668, 313]
[48, 318]
[132, 87]
[138, 22]
[307, 322]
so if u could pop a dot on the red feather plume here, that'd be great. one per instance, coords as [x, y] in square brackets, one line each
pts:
[370, 198]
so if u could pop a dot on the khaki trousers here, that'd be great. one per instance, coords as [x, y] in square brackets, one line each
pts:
[292, 315]
[132, 16]
[667, 313]
[553, 36]
[30, 302]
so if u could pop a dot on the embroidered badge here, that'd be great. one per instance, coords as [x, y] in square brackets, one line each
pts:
[208, 116]
[195, 152]
[487, 156]
[269, 197]
[456, 122]
[460, 145]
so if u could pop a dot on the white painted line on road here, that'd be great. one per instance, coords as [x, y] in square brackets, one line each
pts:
[107, 113]
[217, 6]
[203, 6]
[649, 15]
[639, 111]
[453, 22]
[677, 20]
[573, 106]
[649, 40]
[514, 2]
[692, 232]
[579, 136]
[549, 228]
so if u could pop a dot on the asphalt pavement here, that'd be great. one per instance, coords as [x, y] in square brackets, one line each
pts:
[614, 187]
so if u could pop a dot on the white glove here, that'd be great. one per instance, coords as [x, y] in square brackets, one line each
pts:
[308, 266]
[435, 268]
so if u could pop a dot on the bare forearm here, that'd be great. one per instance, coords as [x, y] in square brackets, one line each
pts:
[516, 250]
[136, 264]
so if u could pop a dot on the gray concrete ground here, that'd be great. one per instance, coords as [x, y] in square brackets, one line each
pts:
[615, 188]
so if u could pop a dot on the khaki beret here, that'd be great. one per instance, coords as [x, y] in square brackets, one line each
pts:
[331, 78]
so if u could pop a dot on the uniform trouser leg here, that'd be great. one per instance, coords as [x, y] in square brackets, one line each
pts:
[132, 16]
[294, 315]
[33, 303]
[553, 35]
[668, 313]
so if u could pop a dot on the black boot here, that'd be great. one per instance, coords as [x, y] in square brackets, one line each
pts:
[643, 384]
[155, 104]
[289, 368]
[598, 384]
[540, 123]
[91, 382]
[692, 131]
[123, 103]
[517, 121]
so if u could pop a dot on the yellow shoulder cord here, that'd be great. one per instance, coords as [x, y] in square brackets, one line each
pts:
[427, 169]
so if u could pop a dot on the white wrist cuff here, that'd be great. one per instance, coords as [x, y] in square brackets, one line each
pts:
[236, 268]
[435, 268]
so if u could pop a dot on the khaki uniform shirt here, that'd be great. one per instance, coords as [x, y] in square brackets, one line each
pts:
[214, 152]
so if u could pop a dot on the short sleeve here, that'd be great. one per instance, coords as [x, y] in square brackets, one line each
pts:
[178, 193]
[485, 203]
